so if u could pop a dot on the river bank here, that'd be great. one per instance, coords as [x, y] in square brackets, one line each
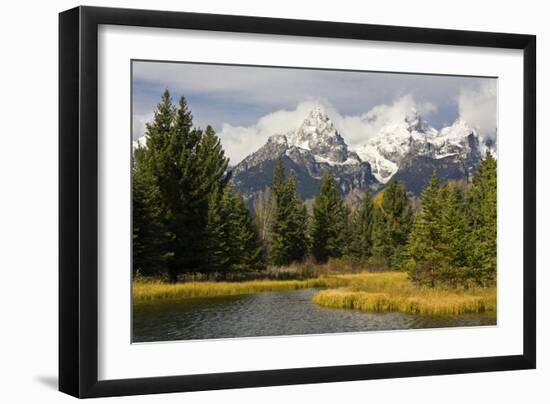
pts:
[365, 291]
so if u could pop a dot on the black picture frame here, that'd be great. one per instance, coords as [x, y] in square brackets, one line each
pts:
[78, 201]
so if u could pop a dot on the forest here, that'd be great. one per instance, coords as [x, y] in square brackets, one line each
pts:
[187, 218]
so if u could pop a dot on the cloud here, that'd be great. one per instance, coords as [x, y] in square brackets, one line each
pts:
[359, 129]
[251, 88]
[479, 107]
[240, 141]
[138, 124]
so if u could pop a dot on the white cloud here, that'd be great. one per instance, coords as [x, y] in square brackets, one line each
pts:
[479, 108]
[358, 129]
[138, 124]
[240, 141]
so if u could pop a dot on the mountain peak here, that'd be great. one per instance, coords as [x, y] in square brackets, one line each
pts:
[309, 152]
[278, 139]
[458, 130]
[461, 122]
[318, 135]
[317, 120]
[414, 121]
[317, 113]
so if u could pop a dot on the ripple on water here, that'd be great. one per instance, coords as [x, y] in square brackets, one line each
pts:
[272, 314]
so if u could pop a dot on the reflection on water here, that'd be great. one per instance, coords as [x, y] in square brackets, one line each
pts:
[271, 314]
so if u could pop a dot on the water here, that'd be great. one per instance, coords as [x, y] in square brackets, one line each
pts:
[272, 314]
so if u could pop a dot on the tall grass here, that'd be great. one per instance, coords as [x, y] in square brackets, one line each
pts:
[156, 290]
[379, 291]
[392, 291]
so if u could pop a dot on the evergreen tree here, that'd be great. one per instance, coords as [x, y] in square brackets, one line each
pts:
[233, 242]
[147, 229]
[151, 236]
[361, 244]
[288, 233]
[455, 234]
[393, 224]
[251, 252]
[296, 234]
[184, 166]
[217, 232]
[426, 260]
[329, 223]
[209, 177]
[483, 199]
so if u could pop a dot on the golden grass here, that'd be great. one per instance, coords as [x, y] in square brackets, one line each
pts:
[147, 291]
[392, 291]
[381, 291]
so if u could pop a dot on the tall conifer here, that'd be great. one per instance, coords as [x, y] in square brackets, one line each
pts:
[361, 244]
[392, 224]
[484, 221]
[288, 232]
[426, 260]
[329, 222]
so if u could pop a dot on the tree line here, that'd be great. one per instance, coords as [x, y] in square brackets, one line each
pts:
[187, 218]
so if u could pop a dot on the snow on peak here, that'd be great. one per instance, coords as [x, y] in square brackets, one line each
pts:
[318, 112]
[413, 120]
[316, 139]
[458, 130]
[316, 127]
[394, 141]
[278, 139]
[318, 135]
[412, 135]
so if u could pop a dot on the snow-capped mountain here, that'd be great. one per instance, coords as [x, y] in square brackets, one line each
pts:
[318, 135]
[394, 142]
[308, 152]
[408, 150]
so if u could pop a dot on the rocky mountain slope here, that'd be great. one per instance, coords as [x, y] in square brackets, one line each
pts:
[308, 152]
[408, 150]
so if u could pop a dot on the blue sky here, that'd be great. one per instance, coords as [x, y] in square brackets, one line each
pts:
[246, 104]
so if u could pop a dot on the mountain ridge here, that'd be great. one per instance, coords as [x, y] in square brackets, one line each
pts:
[408, 150]
[314, 148]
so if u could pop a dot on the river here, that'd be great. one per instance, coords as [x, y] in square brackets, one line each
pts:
[272, 314]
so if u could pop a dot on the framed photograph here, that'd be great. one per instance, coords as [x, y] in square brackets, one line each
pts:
[251, 201]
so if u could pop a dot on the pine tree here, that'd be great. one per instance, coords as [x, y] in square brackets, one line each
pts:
[426, 260]
[329, 222]
[186, 206]
[233, 242]
[393, 224]
[209, 176]
[288, 233]
[152, 251]
[157, 130]
[251, 252]
[218, 240]
[212, 163]
[184, 165]
[483, 199]
[147, 230]
[296, 236]
[455, 234]
[361, 244]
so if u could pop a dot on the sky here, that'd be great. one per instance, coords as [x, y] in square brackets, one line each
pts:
[247, 104]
